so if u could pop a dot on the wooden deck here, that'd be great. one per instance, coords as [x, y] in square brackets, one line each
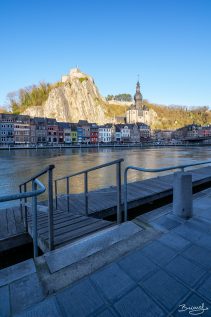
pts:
[103, 202]
[11, 222]
[69, 226]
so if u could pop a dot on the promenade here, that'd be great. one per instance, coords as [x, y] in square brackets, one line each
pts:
[160, 267]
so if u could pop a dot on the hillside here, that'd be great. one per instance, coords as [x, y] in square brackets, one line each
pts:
[77, 98]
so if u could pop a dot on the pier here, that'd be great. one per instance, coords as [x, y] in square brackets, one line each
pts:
[74, 216]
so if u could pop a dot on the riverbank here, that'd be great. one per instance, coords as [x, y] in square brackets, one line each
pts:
[89, 146]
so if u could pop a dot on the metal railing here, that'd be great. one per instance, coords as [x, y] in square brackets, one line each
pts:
[23, 205]
[86, 190]
[31, 194]
[152, 170]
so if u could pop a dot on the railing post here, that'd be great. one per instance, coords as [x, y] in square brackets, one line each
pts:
[50, 209]
[86, 192]
[55, 183]
[68, 192]
[25, 209]
[182, 195]
[125, 195]
[21, 201]
[118, 184]
[34, 219]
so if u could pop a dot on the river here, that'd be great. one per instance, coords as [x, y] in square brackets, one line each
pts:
[18, 165]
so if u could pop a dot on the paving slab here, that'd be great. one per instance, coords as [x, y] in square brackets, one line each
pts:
[109, 312]
[136, 304]
[159, 253]
[25, 292]
[167, 290]
[198, 255]
[174, 241]
[80, 300]
[112, 282]
[47, 308]
[17, 271]
[205, 288]
[4, 302]
[137, 265]
[89, 245]
[165, 222]
[185, 270]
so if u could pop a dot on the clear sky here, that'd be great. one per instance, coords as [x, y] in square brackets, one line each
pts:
[167, 42]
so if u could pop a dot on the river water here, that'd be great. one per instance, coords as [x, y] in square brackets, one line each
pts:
[18, 165]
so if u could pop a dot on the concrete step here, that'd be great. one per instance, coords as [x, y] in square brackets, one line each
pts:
[74, 252]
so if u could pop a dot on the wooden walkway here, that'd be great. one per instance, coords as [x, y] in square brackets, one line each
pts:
[103, 202]
[69, 226]
[11, 222]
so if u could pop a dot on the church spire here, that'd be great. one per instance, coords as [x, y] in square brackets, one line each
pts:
[138, 96]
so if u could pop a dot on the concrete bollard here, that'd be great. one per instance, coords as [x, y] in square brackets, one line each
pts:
[182, 195]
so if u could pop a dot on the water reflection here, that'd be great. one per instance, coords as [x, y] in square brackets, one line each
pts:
[17, 165]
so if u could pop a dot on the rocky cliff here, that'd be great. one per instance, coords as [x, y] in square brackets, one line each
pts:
[76, 99]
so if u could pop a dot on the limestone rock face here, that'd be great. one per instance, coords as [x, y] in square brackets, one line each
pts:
[76, 99]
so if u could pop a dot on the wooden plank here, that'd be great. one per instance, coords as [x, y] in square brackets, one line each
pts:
[60, 232]
[3, 224]
[80, 232]
[18, 220]
[66, 223]
[11, 225]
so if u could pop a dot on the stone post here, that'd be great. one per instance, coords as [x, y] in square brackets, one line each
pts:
[182, 195]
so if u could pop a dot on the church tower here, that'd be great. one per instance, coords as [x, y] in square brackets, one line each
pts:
[138, 97]
[137, 112]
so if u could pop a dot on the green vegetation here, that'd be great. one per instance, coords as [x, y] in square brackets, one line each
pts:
[168, 117]
[174, 117]
[30, 96]
[120, 97]
[82, 79]
[113, 110]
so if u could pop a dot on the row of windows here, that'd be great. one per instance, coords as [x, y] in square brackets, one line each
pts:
[6, 126]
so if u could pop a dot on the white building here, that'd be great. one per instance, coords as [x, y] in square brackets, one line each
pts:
[138, 112]
[105, 133]
[125, 133]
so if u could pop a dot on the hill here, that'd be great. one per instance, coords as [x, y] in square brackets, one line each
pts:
[77, 98]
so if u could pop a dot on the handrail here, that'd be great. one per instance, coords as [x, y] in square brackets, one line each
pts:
[45, 170]
[35, 182]
[85, 172]
[33, 194]
[90, 169]
[152, 170]
[25, 194]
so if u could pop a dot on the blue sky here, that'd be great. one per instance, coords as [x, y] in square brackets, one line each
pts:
[167, 42]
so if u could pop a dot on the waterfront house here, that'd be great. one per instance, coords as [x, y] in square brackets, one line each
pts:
[125, 133]
[134, 133]
[7, 129]
[60, 132]
[117, 134]
[145, 131]
[105, 133]
[86, 126]
[66, 128]
[22, 130]
[53, 129]
[41, 131]
[93, 133]
[80, 134]
[74, 134]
